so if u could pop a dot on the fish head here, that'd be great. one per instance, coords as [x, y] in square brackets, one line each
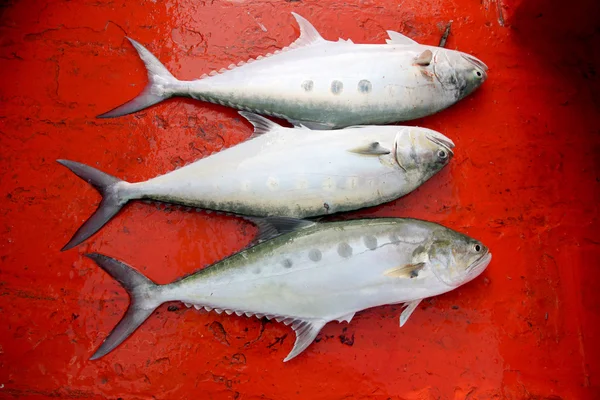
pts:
[459, 72]
[422, 152]
[456, 258]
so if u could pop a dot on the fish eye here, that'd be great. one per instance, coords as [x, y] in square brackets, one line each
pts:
[477, 248]
[479, 74]
[442, 154]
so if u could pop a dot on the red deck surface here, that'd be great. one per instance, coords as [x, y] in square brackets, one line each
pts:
[524, 180]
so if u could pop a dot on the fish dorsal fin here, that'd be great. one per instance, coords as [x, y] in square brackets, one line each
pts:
[261, 124]
[306, 332]
[405, 271]
[410, 308]
[398, 38]
[371, 149]
[308, 34]
[270, 227]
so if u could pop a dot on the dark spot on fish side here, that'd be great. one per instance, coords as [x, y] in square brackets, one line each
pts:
[326, 206]
[364, 86]
[287, 263]
[348, 341]
[315, 255]
[307, 85]
[337, 87]
[455, 307]
[344, 250]
[172, 308]
[218, 332]
[370, 242]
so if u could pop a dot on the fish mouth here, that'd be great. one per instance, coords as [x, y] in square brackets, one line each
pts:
[441, 140]
[479, 266]
[475, 61]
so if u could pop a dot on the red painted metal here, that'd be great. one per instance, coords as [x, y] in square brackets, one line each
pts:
[524, 181]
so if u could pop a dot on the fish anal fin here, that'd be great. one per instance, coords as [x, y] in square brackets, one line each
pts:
[306, 332]
[308, 34]
[424, 59]
[398, 38]
[405, 271]
[411, 306]
[371, 149]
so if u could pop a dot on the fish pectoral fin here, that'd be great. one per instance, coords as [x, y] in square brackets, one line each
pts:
[405, 271]
[398, 38]
[371, 149]
[410, 308]
[424, 59]
[270, 227]
[260, 123]
[306, 332]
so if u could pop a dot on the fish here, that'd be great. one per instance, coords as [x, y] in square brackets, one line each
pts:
[326, 84]
[280, 171]
[306, 274]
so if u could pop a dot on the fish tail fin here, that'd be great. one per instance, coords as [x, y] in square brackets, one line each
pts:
[145, 297]
[161, 85]
[114, 197]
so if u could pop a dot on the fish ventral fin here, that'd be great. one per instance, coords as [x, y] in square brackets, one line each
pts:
[308, 34]
[371, 149]
[405, 271]
[306, 332]
[411, 306]
[270, 227]
[398, 38]
[424, 58]
[260, 123]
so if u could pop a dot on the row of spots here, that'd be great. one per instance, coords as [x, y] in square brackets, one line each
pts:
[328, 184]
[343, 249]
[337, 87]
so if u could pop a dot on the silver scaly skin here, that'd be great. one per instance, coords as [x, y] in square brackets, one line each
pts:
[323, 84]
[307, 274]
[292, 172]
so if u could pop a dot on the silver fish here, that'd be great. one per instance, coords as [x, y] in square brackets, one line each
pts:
[293, 172]
[307, 274]
[324, 84]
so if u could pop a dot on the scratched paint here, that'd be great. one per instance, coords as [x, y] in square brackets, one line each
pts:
[524, 181]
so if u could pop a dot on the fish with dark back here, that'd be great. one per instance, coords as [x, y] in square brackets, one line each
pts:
[306, 274]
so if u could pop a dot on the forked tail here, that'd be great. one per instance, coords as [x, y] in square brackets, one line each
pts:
[144, 294]
[114, 197]
[161, 85]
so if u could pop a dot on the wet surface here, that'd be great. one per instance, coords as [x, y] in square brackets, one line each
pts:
[524, 180]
